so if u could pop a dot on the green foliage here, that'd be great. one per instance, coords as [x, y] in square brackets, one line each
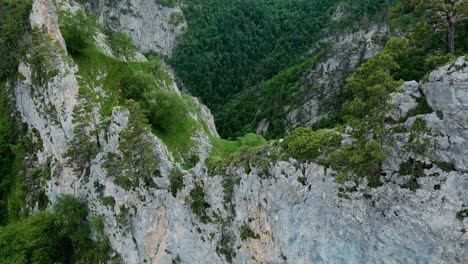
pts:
[168, 3]
[14, 26]
[170, 116]
[122, 44]
[108, 201]
[176, 182]
[246, 232]
[371, 86]
[434, 61]
[422, 108]
[265, 100]
[306, 144]
[35, 240]
[42, 56]
[413, 168]
[462, 214]
[78, 30]
[428, 33]
[362, 158]
[442, 15]
[137, 163]
[59, 237]
[250, 140]
[72, 213]
[417, 146]
[176, 260]
[369, 89]
[85, 144]
[198, 203]
[7, 138]
[231, 49]
[191, 162]
[413, 185]
[134, 84]
[14, 43]
[445, 166]
[302, 180]
[148, 84]
[176, 19]
[223, 151]
[330, 122]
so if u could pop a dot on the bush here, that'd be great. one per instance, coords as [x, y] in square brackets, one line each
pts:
[34, 240]
[462, 213]
[72, 214]
[168, 3]
[78, 29]
[63, 236]
[198, 203]
[135, 83]
[176, 182]
[108, 201]
[122, 44]
[169, 114]
[445, 166]
[251, 140]
[306, 144]
[246, 232]
[432, 62]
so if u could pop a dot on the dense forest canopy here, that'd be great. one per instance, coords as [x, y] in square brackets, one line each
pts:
[232, 45]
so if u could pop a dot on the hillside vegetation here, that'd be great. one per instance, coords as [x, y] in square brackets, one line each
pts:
[234, 47]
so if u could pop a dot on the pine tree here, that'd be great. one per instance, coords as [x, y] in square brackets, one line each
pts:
[443, 15]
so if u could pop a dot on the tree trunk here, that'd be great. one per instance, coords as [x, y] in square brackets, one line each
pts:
[451, 36]
[450, 16]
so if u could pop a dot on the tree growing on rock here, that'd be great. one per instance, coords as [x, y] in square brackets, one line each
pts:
[418, 143]
[442, 15]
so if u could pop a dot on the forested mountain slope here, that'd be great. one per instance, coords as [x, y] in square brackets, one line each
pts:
[103, 159]
[237, 46]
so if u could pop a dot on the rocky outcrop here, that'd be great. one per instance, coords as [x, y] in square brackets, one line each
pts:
[153, 26]
[447, 93]
[404, 101]
[324, 84]
[272, 211]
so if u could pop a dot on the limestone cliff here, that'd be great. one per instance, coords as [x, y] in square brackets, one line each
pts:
[152, 25]
[324, 83]
[264, 209]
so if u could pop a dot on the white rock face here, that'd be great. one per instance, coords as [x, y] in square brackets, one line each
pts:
[48, 108]
[152, 26]
[325, 83]
[404, 101]
[447, 92]
[44, 14]
[293, 209]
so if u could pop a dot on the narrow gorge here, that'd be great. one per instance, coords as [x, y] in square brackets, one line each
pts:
[333, 132]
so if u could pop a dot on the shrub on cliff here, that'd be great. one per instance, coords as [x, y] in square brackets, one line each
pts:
[306, 144]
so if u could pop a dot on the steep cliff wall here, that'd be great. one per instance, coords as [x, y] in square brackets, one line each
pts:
[323, 85]
[152, 25]
[262, 209]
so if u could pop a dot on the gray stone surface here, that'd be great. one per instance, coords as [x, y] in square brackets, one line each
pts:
[293, 222]
[325, 82]
[404, 100]
[148, 22]
[447, 92]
